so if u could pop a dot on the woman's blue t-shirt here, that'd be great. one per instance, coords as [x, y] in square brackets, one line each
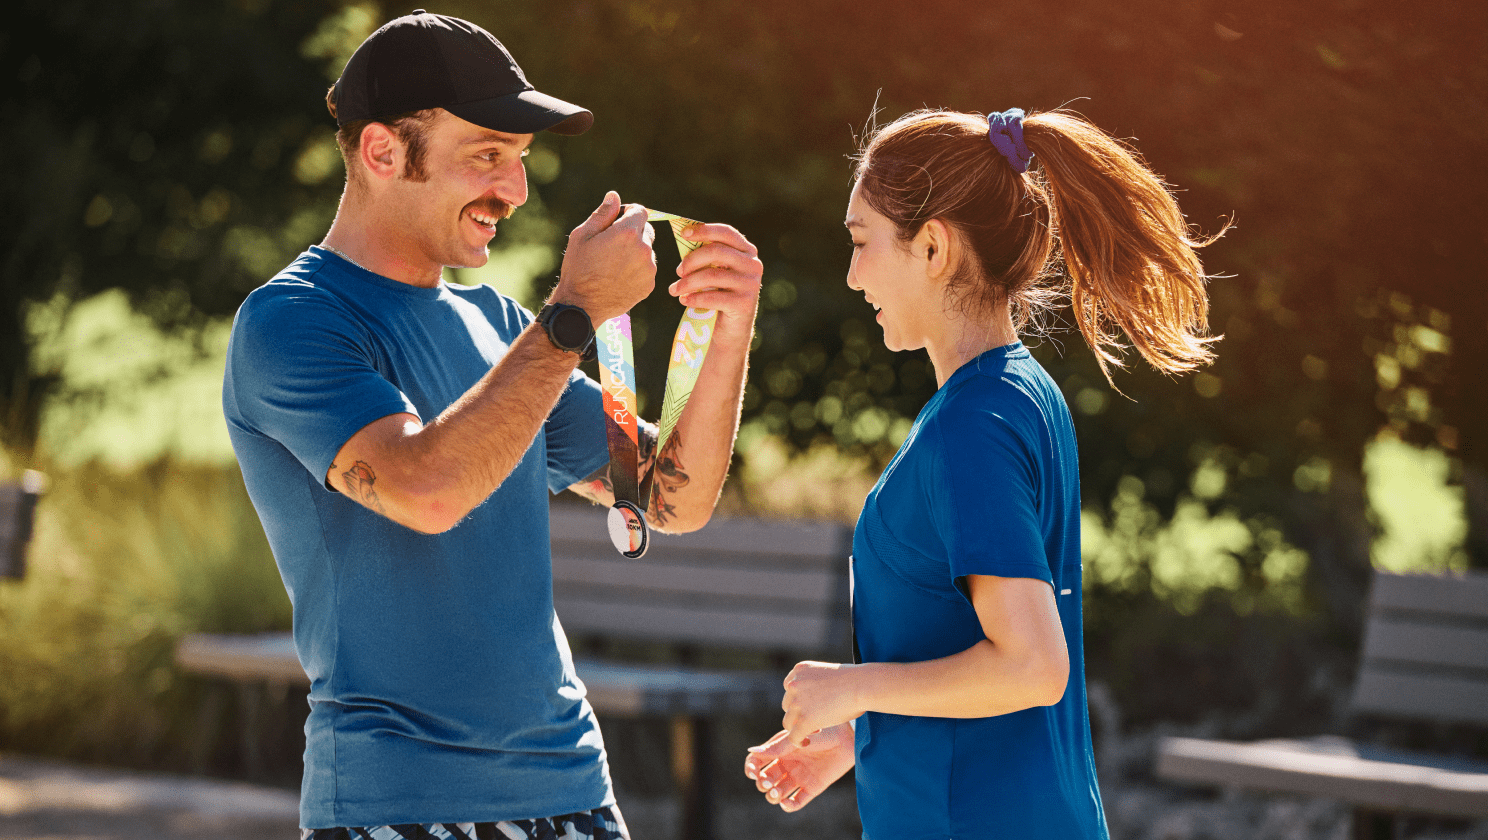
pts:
[985, 484]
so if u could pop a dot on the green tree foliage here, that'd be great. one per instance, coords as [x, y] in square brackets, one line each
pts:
[170, 148]
[1344, 138]
[181, 151]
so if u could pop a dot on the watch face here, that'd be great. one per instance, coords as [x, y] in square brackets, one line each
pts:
[571, 328]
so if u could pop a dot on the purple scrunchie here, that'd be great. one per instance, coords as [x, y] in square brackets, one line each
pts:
[1005, 130]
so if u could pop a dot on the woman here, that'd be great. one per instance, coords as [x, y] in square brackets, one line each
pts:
[969, 703]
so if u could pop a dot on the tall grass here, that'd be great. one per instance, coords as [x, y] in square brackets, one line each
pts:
[121, 566]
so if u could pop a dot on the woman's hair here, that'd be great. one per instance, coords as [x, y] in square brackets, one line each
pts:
[1088, 201]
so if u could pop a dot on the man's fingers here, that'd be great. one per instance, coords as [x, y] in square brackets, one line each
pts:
[723, 257]
[722, 234]
[602, 216]
[634, 215]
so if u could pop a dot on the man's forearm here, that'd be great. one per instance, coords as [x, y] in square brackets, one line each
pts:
[436, 474]
[690, 470]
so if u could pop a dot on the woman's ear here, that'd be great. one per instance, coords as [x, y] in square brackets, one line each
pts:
[933, 244]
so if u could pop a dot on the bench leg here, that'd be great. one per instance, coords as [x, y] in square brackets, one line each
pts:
[250, 700]
[209, 717]
[692, 767]
[1373, 825]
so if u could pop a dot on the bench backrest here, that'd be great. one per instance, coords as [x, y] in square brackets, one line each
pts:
[1425, 653]
[737, 583]
[17, 509]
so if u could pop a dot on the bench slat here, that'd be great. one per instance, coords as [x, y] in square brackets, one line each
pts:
[614, 688]
[1401, 640]
[817, 544]
[1421, 696]
[803, 632]
[637, 577]
[1464, 596]
[264, 656]
[630, 689]
[1327, 768]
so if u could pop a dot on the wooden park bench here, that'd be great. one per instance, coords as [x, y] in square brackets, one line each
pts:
[17, 513]
[758, 592]
[1424, 659]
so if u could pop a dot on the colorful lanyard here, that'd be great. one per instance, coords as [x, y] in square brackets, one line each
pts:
[627, 523]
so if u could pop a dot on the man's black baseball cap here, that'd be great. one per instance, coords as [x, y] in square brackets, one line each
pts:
[423, 60]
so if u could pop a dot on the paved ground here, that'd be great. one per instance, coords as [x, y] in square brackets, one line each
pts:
[46, 800]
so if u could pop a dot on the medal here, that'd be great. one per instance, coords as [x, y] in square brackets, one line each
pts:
[627, 520]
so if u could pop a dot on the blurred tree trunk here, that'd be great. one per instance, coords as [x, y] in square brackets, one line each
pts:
[1334, 529]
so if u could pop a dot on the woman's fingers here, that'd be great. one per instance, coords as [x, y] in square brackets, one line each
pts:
[796, 800]
[766, 777]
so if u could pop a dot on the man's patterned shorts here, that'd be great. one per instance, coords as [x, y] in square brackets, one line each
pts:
[599, 824]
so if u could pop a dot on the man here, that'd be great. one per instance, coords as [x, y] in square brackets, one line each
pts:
[398, 434]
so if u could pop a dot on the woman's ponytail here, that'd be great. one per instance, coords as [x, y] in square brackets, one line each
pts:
[1129, 256]
[1127, 250]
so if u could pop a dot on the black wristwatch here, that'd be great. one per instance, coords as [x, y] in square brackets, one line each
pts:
[569, 328]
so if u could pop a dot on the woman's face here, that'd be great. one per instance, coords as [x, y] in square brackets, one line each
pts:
[891, 277]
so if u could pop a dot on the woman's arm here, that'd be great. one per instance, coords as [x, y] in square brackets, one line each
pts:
[1022, 662]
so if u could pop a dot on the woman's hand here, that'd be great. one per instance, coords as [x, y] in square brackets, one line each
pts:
[791, 776]
[819, 695]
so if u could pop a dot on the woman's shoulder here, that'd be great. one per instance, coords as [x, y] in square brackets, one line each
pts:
[1006, 394]
[1017, 407]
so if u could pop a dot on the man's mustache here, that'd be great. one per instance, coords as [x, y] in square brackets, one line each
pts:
[491, 206]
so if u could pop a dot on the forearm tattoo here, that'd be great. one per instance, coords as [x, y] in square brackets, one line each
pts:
[597, 487]
[646, 446]
[360, 481]
[670, 477]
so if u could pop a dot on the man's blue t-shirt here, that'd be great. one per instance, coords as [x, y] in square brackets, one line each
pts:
[442, 688]
[985, 484]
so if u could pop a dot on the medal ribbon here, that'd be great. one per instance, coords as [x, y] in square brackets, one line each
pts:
[628, 529]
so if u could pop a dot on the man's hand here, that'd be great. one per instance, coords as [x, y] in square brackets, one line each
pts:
[818, 696]
[724, 274]
[791, 776]
[609, 265]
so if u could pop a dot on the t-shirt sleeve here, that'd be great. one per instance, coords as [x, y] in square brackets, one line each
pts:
[576, 434]
[988, 475]
[301, 372]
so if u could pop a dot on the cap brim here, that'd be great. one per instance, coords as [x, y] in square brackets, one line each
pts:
[526, 112]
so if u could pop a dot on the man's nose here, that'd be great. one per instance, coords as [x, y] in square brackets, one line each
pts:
[511, 184]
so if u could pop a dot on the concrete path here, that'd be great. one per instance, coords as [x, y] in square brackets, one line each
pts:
[46, 800]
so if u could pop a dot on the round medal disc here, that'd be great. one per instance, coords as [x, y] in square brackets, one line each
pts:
[628, 529]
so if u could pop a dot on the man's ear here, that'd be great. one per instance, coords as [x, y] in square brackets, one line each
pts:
[933, 244]
[381, 152]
